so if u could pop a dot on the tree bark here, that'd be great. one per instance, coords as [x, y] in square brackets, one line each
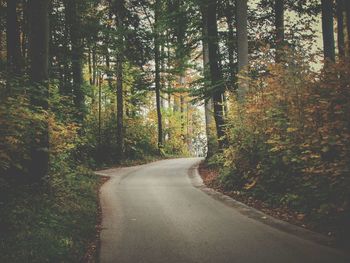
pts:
[99, 112]
[90, 66]
[157, 74]
[24, 33]
[231, 47]
[347, 11]
[119, 8]
[14, 56]
[215, 71]
[120, 107]
[73, 9]
[94, 65]
[39, 53]
[182, 117]
[340, 25]
[279, 25]
[2, 29]
[208, 106]
[242, 44]
[328, 30]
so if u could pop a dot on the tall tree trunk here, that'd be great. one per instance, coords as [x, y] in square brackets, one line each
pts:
[2, 29]
[94, 65]
[90, 66]
[39, 53]
[208, 106]
[14, 57]
[99, 111]
[72, 6]
[119, 7]
[328, 30]
[279, 25]
[242, 44]
[347, 12]
[162, 69]
[120, 108]
[67, 88]
[215, 71]
[340, 25]
[107, 45]
[157, 74]
[182, 118]
[231, 48]
[24, 33]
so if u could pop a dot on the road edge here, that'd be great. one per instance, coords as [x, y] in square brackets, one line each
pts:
[258, 215]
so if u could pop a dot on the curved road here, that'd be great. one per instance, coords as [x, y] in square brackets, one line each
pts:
[152, 213]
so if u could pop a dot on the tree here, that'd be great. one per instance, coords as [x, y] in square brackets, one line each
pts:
[14, 57]
[208, 103]
[340, 28]
[119, 12]
[231, 45]
[279, 24]
[157, 71]
[347, 13]
[209, 11]
[39, 57]
[328, 30]
[72, 8]
[242, 42]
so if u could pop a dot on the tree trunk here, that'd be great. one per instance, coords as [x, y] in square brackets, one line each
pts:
[90, 66]
[99, 112]
[208, 107]
[2, 29]
[182, 118]
[72, 6]
[24, 36]
[328, 30]
[14, 57]
[94, 65]
[347, 11]
[120, 108]
[119, 6]
[242, 44]
[107, 44]
[215, 71]
[38, 53]
[67, 88]
[340, 25]
[157, 74]
[231, 49]
[279, 25]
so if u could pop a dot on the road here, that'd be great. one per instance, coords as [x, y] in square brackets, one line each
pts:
[153, 213]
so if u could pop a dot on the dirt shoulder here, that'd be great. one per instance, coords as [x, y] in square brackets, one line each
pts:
[93, 250]
[279, 217]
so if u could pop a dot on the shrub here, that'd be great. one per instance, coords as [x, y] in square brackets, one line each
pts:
[289, 140]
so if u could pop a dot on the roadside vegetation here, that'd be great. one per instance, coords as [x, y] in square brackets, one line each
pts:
[288, 146]
[283, 142]
[56, 225]
[79, 92]
[87, 84]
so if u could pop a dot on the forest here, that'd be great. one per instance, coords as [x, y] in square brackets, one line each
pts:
[259, 88]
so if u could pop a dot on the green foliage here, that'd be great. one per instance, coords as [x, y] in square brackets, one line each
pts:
[54, 220]
[15, 119]
[54, 226]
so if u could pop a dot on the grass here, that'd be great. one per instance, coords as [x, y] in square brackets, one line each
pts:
[53, 224]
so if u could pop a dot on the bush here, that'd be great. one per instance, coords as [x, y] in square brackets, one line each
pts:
[289, 140]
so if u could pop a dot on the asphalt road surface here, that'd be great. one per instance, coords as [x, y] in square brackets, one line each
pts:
[153, 213]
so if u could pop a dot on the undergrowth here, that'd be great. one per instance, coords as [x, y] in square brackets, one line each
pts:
[288, 143]
[49, 225]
